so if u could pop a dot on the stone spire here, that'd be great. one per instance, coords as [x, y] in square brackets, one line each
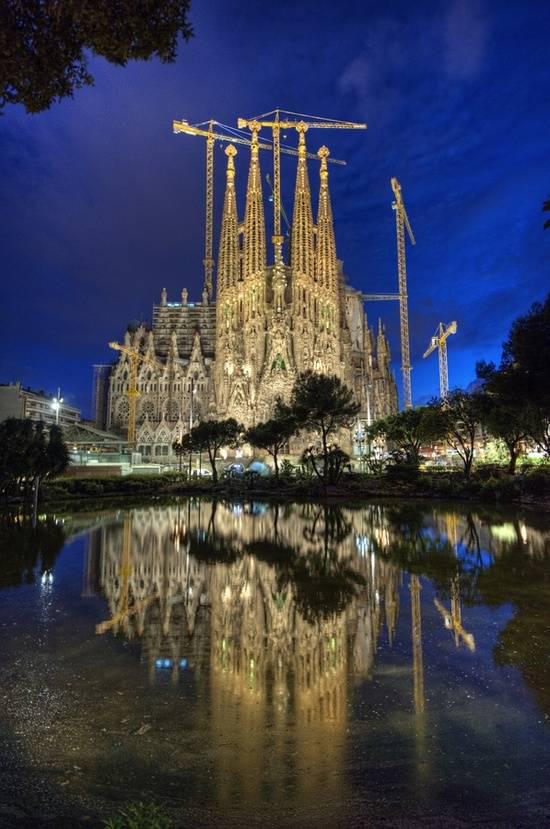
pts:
[302, 253]
[229, 256]
[174, 352]
[382, 347]
[254, 222]
[326, 267]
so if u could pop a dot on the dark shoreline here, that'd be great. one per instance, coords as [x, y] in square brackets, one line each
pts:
[79, 494]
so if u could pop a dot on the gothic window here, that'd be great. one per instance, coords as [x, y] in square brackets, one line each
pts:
[122, 412]
[147, 410]
[172, 410]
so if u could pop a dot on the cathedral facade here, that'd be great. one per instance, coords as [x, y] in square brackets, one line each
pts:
[235, 356]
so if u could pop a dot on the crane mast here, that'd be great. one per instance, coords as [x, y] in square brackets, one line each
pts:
[439, 341]
[418, 664]
[208, 261]
[134, 358]
[402, 223]
[274, 122]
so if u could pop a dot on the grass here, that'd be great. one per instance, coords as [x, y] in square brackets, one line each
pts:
[140, 816]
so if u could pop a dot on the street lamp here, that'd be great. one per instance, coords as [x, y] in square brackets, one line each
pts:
[193, 392]
[359, 436]
[56, 405]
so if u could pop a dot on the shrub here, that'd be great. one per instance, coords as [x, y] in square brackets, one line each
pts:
[402, 471]
[288, 469]
[536, 483]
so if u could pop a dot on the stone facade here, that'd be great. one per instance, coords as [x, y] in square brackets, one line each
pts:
[236, 356]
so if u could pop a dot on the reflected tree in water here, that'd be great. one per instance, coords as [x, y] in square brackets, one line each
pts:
[519, 578]
[25, 549]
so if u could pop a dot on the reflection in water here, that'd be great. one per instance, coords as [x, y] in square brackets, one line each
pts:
[26, 549]
[302, 654]
[276, 606]
[282, 602]
[278, 576]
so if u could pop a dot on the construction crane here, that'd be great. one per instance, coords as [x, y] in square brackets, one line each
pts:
[401, 223]
[439, 341]
[127, 608]
[278, 120]
[283, 211]
[211, 137]
[453, 619]
[418, 663]
[134, 358]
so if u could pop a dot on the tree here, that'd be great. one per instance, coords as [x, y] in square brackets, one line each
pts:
[181, 447]
[15, 454]
[329, 466]
[458, 418]
[408, 430]
[44, 44]
[272, 436]
[57, 455]
[210, 435]
[506, 414]
[29, 453]
[526, 354]
[322, 403]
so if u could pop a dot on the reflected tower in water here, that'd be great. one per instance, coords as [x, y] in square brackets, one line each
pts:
[271, 610]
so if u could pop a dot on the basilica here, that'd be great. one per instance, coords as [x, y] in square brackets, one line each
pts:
[236, 354]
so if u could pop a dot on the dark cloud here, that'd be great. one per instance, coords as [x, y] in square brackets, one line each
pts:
[102, 206]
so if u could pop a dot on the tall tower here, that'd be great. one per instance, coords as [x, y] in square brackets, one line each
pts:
[229, 254]
[302, 254]
[229, 277]
[252, 290]
[326, 271]
[302, 262]
[254, 254]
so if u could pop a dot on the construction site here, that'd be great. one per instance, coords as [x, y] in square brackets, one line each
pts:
[267, 312]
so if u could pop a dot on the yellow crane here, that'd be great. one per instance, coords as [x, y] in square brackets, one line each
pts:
[401, 224]
[134, 358]
[278, 120]
[439, 341]
[126, 607]
[212, 136]
[453, 619]
[418, 663]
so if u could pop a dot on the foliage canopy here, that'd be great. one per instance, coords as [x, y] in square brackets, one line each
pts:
[44, 45]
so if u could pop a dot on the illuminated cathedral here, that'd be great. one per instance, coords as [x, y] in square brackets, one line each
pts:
[236, 355]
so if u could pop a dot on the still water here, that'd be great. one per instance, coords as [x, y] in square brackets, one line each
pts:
[248, 664]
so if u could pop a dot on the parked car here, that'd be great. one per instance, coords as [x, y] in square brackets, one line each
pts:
[234, 470]
[201, 473]
[259, 468]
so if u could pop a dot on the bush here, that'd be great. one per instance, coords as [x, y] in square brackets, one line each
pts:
[488, 471]
[402, 471]
[536, 483]
[287, 469]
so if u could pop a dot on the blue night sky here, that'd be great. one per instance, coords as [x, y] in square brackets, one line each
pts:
[102, 206]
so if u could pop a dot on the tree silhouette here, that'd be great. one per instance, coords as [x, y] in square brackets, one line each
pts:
[44, 46]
